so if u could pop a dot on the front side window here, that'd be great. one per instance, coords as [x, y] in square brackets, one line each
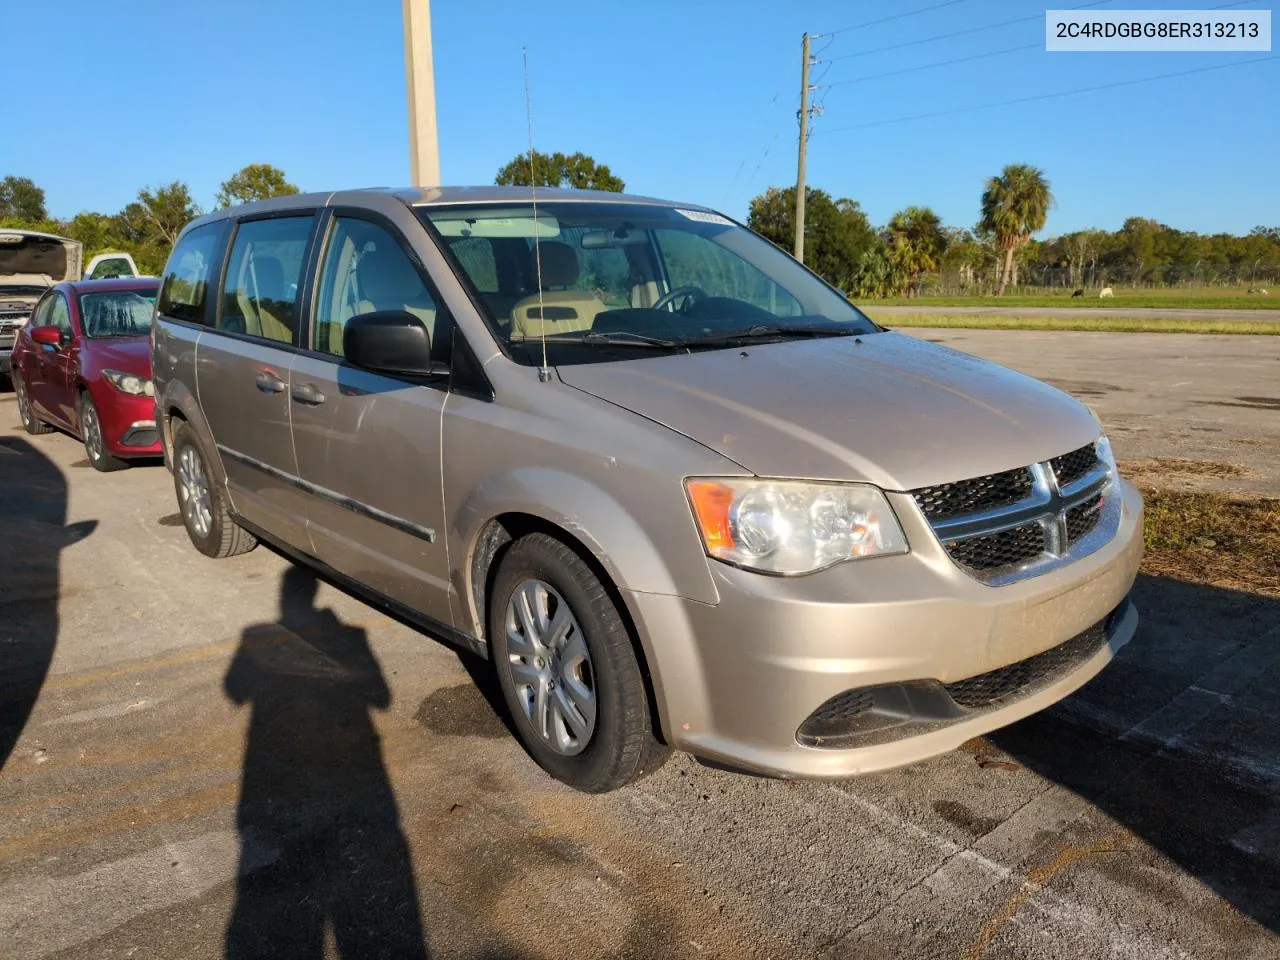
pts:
[59, 314]
[119, 313]
[365, 270]
[260, 293]
[639, 275]
[185, 286]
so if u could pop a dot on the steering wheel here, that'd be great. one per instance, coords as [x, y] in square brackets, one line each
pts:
[692, 295]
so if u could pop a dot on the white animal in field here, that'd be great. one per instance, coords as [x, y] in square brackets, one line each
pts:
[1106, 292]
[1264, 293]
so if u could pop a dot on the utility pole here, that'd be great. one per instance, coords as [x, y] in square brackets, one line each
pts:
[804, 143]
[419, 75]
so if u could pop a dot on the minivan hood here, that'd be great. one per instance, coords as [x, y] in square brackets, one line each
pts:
[883, 408]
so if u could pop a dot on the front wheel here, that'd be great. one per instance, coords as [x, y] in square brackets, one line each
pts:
[30, 422]
[203, 505]
[94, 444]
[568, 670]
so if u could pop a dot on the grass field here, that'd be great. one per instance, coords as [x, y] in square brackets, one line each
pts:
[979, 321]
[1210, 538]
[1202, 298]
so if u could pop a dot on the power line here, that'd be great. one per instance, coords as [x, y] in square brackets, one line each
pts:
[939, 63]
[896, 16]
[957, 33]
[1048, 96]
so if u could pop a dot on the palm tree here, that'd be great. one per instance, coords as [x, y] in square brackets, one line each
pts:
[915, 241]
[1014, 206]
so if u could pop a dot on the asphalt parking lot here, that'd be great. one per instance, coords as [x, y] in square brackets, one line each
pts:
[224, 758]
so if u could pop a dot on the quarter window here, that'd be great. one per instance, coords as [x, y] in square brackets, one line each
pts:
[184, 289]
[260, 295]
[365, 271]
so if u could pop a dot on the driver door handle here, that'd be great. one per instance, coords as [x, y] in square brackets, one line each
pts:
[268, 382]
[308, 393]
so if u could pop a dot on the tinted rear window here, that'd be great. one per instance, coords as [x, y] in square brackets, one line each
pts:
[184, 291]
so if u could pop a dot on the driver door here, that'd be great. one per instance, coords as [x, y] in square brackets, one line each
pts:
[368, 445]
[50, 392]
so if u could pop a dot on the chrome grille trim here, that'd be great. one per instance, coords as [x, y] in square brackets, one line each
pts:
[1048, 505]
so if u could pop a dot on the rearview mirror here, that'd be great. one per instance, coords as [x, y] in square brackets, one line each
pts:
[48, 335]
[622, 237]
[390, 341]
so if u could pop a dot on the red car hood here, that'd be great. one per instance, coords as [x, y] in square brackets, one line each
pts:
[126, 354]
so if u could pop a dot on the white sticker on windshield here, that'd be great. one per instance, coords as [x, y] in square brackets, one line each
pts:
[703, 216]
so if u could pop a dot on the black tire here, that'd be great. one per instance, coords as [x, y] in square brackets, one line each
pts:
[224, 537]
[91, 436]
[622, 747]
[30, 422]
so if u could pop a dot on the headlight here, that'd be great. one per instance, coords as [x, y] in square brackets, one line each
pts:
[792, 526]
[1106, 456]
[130, 383]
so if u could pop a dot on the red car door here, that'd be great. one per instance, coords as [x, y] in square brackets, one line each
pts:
[50, 389]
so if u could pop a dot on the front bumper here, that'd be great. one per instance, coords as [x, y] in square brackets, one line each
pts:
[735, 681]
[128, 422]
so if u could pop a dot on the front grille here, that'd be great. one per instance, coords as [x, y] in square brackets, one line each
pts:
[993, 551]
[1072, 466]
[1017, 523]
[1082, 518]
[971, 496]
[1025, 676]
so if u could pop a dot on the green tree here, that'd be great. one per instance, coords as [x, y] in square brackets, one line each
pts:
[914, 242]
[1014, 206]
[257, 181]
[575, 170]
[836, 232]
[159, 215]
[20, 198]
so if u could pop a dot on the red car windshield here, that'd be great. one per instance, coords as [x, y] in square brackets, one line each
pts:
[117, 313]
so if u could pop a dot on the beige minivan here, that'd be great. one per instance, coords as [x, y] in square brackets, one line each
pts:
[677, 489]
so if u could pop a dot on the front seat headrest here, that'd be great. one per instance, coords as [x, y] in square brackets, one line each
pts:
[559, 264]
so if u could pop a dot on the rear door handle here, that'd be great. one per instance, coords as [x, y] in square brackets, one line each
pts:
[308, 393]
[268, 382]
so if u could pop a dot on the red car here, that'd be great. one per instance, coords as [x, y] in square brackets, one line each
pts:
[83, 363]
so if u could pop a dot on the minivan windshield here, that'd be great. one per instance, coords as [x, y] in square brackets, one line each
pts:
[634, 275]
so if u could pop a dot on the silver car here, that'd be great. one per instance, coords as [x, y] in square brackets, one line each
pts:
[675, 487]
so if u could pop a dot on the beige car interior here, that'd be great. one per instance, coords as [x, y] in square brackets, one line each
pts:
[555, 309]
[260, 295]
[376, 277]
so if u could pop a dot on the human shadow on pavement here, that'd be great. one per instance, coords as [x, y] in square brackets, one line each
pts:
[321, 846]
[33, 534]
[1178, 741]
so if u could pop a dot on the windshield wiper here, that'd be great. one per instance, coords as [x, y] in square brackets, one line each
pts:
[766, 331]
[616, 338]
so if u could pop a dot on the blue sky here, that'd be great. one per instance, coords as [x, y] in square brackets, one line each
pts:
[691, 100]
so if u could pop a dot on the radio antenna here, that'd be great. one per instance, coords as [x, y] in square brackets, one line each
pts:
[544, 373]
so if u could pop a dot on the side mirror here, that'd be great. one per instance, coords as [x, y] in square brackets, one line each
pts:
[390, 341]
[49, 336]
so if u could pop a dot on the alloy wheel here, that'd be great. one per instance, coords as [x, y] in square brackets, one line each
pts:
[92, 429]
[24, 403]
[193, 492]
[550, 667]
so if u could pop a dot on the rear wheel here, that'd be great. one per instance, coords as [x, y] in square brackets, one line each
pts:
[568, 670]
[30, 422]
[94, 444]
[203, 505]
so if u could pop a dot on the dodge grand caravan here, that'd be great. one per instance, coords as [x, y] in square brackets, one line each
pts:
[677, 489]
